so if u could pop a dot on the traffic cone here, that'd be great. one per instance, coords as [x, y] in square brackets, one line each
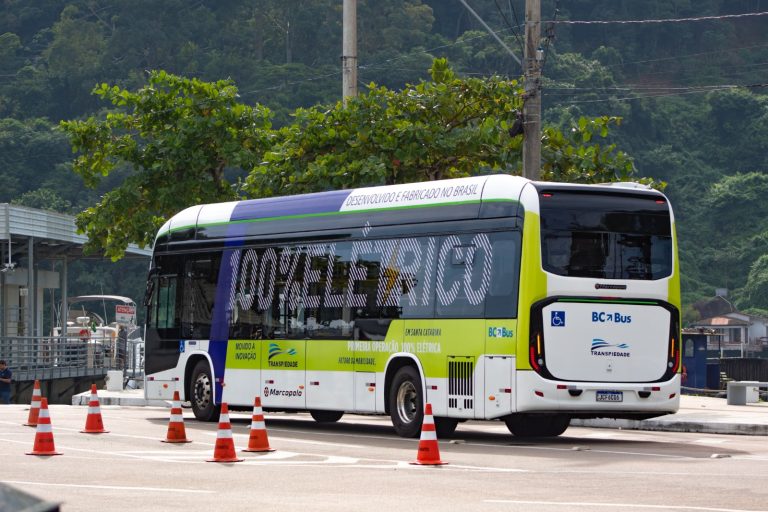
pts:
[176, 432]
[34, 406]
[44, 435]
[258, 440]
[93, 422]
[224, 451]
[429, 453]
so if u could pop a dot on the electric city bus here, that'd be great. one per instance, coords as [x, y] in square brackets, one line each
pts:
[491, 297]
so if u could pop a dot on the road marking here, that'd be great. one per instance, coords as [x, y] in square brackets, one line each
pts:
[711, 441]
[109, 487]
[622, 505]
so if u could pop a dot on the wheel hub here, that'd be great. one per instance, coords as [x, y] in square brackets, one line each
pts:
[406, 402]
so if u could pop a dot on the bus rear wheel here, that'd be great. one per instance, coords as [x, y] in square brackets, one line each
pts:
[406, 402]
[445, 427]
[201, 393]
[537, 425]
[326, 416]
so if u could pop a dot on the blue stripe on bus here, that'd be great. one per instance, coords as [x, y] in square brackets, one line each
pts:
[217, 348]
[306, 204]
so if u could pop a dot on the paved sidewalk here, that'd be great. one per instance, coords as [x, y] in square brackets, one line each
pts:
[699, 414]
[696, 414]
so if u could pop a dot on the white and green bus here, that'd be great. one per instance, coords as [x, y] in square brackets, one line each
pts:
[490, 297]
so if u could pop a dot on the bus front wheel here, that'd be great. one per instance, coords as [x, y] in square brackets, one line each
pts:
[537, 425]
[201, 393]
[406, 402]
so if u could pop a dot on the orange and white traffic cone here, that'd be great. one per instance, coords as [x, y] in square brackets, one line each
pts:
[224, 451]
[34, 406]
[176, 431]
[44, 435]
[93, 422]
[429, 453]
[258, 440]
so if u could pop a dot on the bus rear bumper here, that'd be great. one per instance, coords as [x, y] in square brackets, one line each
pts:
[597, 399]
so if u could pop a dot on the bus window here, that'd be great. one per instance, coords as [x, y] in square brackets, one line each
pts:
[463, 275]
[200, 278]
[501, 301]
[163, 311]
[605, 236]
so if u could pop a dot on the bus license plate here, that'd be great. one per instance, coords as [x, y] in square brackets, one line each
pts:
[610, 396]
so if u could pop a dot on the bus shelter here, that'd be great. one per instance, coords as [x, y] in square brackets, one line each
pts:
[36, 248]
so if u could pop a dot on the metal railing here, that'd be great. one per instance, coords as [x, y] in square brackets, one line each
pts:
[49, 357]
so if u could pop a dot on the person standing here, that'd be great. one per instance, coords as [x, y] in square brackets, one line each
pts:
[5, 383]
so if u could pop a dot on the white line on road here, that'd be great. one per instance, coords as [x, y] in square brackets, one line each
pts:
[109, 487]
[622, 505]
[711, 441]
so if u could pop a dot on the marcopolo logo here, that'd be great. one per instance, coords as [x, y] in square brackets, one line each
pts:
[500, 332]
[275, 350]
[281, 392]
[600, 347]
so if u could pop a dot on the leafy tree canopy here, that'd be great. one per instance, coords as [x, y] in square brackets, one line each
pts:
[444, 128]
[179, 135]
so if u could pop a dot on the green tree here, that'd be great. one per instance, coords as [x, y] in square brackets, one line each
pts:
[445, 128]
[44, 199]
[755, 293]
[181, 134]
[178, 136]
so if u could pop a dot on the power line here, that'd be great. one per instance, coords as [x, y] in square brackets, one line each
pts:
[669, 20]
[516, 33]
[664, 95]
[490, 30]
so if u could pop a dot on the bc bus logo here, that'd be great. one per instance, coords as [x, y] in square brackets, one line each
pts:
[558, 319]
[275, 350]
[499, 332]
[616, 318]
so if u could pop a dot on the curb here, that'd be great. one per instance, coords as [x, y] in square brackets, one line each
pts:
[750, 429]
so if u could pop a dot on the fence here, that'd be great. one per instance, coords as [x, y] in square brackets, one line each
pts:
[48, 357]
[745, 369]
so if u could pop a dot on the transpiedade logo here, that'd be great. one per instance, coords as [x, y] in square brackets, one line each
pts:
[275, 350]
[601, 347]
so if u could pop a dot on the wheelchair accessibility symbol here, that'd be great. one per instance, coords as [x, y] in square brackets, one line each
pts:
[558, 319]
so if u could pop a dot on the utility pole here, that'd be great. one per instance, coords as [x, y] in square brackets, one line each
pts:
[349, 50]
[532, 100]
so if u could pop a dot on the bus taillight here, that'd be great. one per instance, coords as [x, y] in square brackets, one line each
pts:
[533, 358]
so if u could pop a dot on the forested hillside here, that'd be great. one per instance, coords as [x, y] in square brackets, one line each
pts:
[692, 93]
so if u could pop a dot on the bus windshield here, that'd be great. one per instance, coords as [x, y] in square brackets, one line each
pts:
[589, 234]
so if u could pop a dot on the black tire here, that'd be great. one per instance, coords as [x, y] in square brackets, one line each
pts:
[326, 416]
[445, 427]
[537, 425]
[201, 393]
[406, 402]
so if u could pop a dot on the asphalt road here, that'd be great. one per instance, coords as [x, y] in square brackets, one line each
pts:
[360, 464]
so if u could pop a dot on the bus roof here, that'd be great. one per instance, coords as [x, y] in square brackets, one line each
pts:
[434, 201]
[460, 191]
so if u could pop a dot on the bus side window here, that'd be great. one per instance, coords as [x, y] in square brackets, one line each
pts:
[460, 283]
[164, 311]
[501, 301]
[200, 278]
